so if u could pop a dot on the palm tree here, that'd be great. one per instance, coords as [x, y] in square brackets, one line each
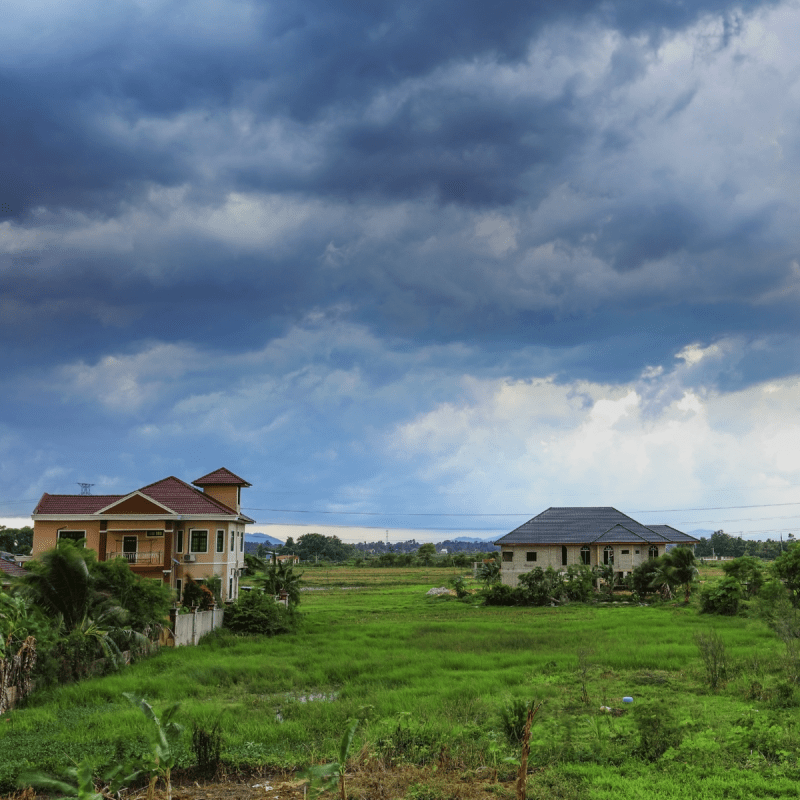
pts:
[280, 577]
[59, 582]
[682, 567]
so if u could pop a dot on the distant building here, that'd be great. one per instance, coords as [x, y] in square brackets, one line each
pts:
[561, 537]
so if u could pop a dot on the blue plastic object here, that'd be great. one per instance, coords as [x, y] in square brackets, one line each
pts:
[627, 699]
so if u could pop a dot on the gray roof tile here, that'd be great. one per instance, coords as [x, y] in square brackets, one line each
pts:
[583, 525]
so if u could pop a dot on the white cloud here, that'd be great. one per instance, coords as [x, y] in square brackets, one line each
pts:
[529, 444]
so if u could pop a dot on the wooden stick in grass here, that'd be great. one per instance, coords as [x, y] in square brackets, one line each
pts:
[522, 775]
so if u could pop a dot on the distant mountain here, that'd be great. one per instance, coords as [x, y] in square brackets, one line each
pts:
[262, 538]
[474, 539]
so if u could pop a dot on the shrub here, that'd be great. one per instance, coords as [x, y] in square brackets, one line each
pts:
[502, 595]
[722, 597]
[257, 613]
[195, 594]
[658, 729]
[579, 583]
[513, 716]
[459, 583]
[207, 748]
[715, 659]
[540, 587]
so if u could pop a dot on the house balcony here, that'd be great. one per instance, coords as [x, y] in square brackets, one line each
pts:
[154, 558]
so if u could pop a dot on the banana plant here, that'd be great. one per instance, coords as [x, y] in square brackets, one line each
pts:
[164, 736]
[324, 777]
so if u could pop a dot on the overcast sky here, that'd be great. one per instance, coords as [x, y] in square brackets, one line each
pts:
[437, 257]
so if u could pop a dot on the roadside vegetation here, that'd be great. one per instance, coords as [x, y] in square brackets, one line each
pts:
[440, 688]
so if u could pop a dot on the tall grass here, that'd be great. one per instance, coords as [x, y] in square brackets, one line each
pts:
[387, 652]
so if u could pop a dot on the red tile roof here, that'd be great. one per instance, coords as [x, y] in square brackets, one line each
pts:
[184, 499]
[10, 568]
[74, 503]
[220, 477]
[176, 495]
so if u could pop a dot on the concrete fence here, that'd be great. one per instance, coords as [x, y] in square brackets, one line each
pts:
[189, 628]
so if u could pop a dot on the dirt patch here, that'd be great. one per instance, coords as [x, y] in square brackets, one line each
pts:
[363, 784]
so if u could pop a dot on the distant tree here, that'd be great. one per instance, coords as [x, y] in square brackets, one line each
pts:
[315, 547]
[18, 541]
[426, 553]
[748, 572]
[787, 567]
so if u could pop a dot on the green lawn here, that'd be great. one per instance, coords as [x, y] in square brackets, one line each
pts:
[425, 673]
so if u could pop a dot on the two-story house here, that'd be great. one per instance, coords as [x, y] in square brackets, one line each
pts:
[168, 530]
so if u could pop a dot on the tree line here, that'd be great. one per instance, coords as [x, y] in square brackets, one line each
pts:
[727, 546]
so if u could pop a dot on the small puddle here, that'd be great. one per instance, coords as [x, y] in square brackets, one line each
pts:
[311, 697]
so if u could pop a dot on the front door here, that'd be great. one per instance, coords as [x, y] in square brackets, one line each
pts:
[129, 545]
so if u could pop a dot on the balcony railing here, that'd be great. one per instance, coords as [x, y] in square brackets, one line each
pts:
[155, 557]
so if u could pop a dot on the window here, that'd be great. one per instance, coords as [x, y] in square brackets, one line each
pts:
[636, 552]
[653, 551]
[233, 540]
[608, 555]
[74, 536]
[530, 556]
[198, 541]
[585, 555]
[624, 552]
[230, 588]
[154, 533]
[241, 542]
[220, 541]
[563, 556]
[178, 587]
[508, 555]
[179, 541]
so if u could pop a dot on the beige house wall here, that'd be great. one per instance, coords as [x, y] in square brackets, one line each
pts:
[45, 533]
[551, 556]
[227, 494]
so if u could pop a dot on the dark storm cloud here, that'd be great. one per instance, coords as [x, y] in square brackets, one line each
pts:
[293, 60]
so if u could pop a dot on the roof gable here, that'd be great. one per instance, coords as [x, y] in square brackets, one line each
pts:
[136, 503]
[619, 534]
[220, 477]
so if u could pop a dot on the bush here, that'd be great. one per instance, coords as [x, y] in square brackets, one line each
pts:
[658, 729]
[714, 656]
[722, 597]
[256, 613]
[195, 594]
[502, 595]
[540, 587]
[513, 716]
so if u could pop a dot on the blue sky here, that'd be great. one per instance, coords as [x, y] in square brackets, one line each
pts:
[387, 260]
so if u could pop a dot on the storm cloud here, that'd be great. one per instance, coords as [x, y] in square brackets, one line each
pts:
[316, 242]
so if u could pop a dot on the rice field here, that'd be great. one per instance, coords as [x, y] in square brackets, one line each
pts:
[426, 673]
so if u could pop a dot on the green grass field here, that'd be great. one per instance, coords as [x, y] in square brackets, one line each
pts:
[430, 675]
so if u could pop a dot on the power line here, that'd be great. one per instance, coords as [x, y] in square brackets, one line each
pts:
[509, 514]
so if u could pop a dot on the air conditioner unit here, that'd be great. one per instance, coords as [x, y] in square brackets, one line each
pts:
[189, 557]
